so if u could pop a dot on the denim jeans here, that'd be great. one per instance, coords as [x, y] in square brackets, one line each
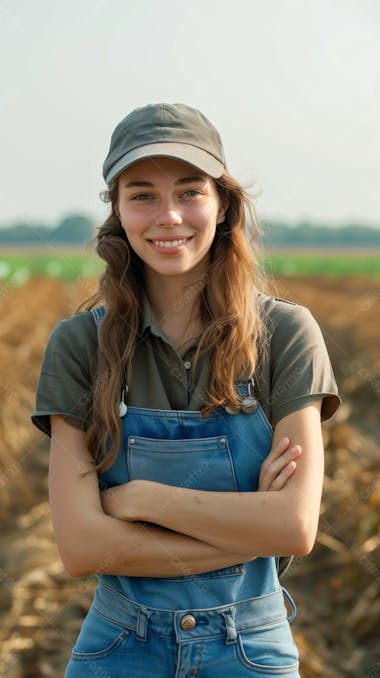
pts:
[121, 639]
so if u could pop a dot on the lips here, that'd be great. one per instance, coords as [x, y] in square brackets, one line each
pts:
[165, 238]
[171, 243]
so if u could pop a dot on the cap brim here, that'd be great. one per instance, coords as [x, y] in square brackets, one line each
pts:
[191, 154]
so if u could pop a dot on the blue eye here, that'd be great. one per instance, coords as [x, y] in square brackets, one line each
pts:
[191, 193]
[142, 196]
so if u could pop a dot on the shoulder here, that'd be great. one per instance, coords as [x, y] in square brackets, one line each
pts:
[74, 340]
[281, 314]
[298, 369]
[80, 329]
[292, 335]
[67, 372]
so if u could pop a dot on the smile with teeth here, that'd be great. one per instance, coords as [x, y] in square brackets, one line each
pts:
[169, 243]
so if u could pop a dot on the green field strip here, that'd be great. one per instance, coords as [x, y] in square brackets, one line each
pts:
[17, 268]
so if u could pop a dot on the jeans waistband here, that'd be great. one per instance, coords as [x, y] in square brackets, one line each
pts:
[188, 624]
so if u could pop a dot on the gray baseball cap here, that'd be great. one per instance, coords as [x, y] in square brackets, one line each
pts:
[171, 130]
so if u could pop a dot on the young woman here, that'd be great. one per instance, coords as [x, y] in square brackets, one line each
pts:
[185, 421]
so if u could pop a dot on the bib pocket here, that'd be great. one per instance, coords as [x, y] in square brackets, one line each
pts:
[199, 463]
[196, 463]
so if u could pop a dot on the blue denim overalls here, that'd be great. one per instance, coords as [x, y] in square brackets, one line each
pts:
[228, 622]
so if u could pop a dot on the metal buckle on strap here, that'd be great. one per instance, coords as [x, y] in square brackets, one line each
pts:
[123, 409]
[248, 402]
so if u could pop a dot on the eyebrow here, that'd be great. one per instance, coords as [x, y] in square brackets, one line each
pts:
[179, 182]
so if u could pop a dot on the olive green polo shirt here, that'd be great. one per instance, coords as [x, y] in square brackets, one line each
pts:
[297, 369]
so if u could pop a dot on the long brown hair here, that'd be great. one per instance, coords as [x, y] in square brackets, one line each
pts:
[234, 335]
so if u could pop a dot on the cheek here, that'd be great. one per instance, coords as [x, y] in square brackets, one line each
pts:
[132, 223]
[206, 217]
[209, 226]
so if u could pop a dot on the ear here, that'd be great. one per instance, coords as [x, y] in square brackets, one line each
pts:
[224, 204]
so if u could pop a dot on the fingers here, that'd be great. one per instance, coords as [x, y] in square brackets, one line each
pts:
[278, 466]
[279, 448]
[280, 481]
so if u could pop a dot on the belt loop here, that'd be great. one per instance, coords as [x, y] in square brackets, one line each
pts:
[142, 623]
[229, 620]
[291, 603]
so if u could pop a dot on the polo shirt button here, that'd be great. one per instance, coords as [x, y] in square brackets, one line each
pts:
[187, 364]
[188, 622]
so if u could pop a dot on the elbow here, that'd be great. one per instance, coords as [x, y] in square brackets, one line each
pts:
[79, 572]
[76, 567]
[74, 572]
[76, 562]
[85, 564]
[306, 532]
[303, 547]
[79, 549]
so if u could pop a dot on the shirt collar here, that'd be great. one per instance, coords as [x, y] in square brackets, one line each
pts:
[150, 321]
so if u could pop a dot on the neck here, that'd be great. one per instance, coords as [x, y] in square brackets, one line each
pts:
[175, 299]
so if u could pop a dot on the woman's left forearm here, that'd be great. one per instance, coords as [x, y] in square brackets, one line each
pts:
[263, 523]
[258, 523]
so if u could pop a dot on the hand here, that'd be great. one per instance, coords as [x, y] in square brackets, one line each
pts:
[126, 501]
[113, 502]
[278, 466]
[117, 501]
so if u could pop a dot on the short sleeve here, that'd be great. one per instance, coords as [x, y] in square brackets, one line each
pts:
[301, 370]
[64, 383]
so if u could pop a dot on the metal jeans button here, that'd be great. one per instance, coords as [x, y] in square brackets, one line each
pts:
[188, 622]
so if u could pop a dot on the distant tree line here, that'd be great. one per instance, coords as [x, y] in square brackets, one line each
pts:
[77, 229]
[306, 234]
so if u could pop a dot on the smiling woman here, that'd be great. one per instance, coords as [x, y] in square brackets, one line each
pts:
[176, 215]
[185, 419]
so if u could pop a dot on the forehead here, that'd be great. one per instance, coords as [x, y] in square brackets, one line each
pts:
[159, 168]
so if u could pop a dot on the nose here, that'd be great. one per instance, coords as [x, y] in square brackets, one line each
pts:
[169, 217]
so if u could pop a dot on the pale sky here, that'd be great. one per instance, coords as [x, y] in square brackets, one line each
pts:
[293, 87]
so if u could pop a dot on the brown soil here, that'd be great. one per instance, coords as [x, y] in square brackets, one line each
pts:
[336, 587]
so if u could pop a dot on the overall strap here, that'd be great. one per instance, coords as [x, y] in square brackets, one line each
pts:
[246, 390]
[98, 314]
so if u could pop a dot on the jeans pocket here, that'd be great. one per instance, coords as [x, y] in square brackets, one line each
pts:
[269, 650]
[99, 637]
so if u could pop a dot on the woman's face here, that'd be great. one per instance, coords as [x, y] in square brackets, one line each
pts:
[169, 211]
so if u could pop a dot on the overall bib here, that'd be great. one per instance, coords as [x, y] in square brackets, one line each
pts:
[230, 622]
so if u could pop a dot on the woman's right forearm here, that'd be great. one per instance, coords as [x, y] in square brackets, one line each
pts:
[145, 550]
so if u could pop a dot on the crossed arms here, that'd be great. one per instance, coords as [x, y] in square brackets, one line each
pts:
[188, 531]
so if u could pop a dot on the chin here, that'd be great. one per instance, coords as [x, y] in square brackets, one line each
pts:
[171, 271]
